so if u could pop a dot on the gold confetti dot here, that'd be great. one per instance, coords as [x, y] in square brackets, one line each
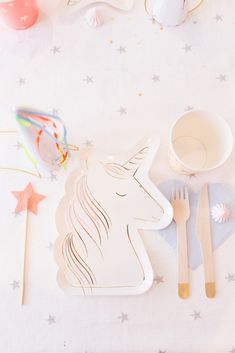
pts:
[140, 94]
[111, 41]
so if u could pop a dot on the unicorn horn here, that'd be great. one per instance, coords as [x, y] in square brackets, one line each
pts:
[134, 162]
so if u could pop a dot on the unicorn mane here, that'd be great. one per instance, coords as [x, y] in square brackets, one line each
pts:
[84, 234]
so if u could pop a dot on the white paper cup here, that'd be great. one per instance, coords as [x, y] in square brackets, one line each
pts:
[199, 141]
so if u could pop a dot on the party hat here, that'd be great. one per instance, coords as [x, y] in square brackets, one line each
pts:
[44, 138]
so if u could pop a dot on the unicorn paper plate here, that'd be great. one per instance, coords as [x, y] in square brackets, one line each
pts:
[107, 201]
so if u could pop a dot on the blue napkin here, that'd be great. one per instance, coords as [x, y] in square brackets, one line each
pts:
[218, 193]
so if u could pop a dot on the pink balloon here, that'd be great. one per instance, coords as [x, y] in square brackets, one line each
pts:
[19, 14]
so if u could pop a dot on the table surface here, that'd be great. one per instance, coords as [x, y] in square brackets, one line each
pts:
[112, 86]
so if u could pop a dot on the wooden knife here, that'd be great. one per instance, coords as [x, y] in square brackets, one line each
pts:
[203, 230]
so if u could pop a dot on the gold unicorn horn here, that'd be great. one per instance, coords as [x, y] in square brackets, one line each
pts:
[133, 164]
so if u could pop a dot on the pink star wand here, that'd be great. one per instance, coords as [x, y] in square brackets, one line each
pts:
[27, 201]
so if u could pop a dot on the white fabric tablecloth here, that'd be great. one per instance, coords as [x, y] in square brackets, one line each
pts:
[112, 86]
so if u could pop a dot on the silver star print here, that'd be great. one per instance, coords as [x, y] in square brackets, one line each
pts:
[88, 143]
[122, 111]
[51, 320]
[159, 279]
[196, 315]
[21, 81]
[53, 176]
[55, 49]
[123, 317]
[221, 78]
[55, 111]
[156, 78]
[18, 145]
[187, 48]
[230, 277]
[188, 108]
[121, 50]
[50, 246]
[16, 214]
[88, 79]
[15, 284]
[218, 18]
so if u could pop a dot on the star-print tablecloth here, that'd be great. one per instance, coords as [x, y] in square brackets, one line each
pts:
[112, 86]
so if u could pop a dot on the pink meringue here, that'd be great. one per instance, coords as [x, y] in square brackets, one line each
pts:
[94, 17]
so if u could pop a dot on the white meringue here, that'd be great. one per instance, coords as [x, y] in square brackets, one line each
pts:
[220, 213]
[94, 17]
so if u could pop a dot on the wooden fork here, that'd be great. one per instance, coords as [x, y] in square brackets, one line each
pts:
[180, 204]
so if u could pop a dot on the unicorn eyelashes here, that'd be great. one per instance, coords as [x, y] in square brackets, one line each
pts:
[121, 195]
[99, 249]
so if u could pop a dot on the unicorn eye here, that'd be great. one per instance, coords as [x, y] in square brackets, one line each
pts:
[121, 195]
